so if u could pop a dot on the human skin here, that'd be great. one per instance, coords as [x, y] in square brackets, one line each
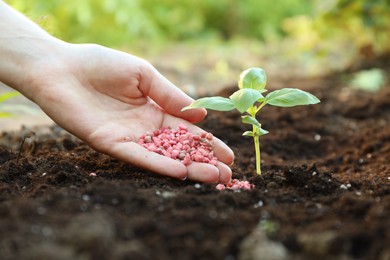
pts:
[105, 97]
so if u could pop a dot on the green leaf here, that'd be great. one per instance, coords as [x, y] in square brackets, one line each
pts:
[248, 133]
[253, 121]
[250, 120]
[214, 103]
[252, 109]
[289, 97]
[8, 95]
[253, 78]
[245, 98]
[261, 131]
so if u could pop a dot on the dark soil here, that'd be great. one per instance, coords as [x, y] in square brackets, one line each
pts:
[324, 192]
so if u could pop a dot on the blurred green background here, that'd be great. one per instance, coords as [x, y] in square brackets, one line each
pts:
[203, 45]
[122, 22]
[203, 42]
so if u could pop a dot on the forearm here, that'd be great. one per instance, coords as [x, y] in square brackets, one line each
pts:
[22, 45]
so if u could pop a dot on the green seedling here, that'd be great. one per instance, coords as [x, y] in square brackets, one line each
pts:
[249, 99]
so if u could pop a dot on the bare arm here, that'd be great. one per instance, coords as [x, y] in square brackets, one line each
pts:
[101, 95]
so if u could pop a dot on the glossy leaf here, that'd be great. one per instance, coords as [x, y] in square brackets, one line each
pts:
[214, 103]
[245, 98]
[260, 131]
[253, 78]
[248, 133]
[250, 120]
[289, 97]
[253, 121]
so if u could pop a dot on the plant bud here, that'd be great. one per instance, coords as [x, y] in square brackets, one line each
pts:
[254, 78]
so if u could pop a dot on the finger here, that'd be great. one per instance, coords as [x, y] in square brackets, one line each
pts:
[225, 173]
[170, 98]
[137, 155]
[203, 172]
[221, 150]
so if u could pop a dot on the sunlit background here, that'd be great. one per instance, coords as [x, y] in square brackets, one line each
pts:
[203, 45]
[204, 42]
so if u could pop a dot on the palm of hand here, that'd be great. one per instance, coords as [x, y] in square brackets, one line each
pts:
[111, 97]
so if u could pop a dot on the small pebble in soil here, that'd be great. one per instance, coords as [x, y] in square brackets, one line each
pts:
[180, 145]
[41, 210]
[343, 187]
[166, 194]
[86, 197]
[46, 231]
[236, 184]
[92, 174]
[259, 204]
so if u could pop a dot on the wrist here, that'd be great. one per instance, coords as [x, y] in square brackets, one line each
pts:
[28, 62]
[23, 46]
[41, 62]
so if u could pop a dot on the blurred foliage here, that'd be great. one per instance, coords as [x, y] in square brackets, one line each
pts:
[364, 22]
[313, 36]
[360, 26]
[6, 110]
[100, 21]
[10, 105]
[369, 80]
[123, 22]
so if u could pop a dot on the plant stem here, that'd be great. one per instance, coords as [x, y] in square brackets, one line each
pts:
[257, 149]
[256, 139]
[260, 107]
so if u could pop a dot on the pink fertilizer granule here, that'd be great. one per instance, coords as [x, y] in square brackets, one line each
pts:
[236, 185]
[180, 145]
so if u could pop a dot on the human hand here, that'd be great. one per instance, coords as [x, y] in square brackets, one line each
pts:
[106, 97]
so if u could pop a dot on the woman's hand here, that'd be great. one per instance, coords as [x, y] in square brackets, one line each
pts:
[106, 97]
[103, 96]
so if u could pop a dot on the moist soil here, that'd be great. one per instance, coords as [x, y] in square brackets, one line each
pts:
[324, 192]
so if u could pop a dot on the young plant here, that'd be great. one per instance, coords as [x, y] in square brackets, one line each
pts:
[249, 99]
